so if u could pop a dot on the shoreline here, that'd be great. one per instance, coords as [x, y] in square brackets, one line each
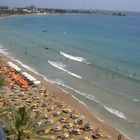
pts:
[74, 103]
[12, 16]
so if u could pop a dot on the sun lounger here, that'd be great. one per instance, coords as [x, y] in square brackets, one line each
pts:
[64, 136]
[68, 125]
[50, 109]
[63, 120]
[49, 121]
[66, 110]
[74, 116]
[58, 128]
[85, 138]
[75, 132]
[55, 114]
[88, 127]
[96, 136]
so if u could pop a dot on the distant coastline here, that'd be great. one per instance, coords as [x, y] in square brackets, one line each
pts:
[32, 10]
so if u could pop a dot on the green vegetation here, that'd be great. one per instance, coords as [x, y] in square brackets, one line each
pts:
[1, 79]
[5, 11]
[21, 124]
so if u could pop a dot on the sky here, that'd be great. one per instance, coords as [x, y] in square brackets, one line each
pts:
[123, 5]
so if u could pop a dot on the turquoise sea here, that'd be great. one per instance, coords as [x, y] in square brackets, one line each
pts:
[94, 58]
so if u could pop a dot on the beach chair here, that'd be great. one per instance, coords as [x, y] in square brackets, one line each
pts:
[64, 136]
[96, 134]
[57, 129]
[68, 125]
[75, 132]
[66, 110]
[88, 127]
[85, 138]
[55, 114]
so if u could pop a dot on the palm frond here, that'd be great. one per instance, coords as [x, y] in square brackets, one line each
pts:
[20, 123]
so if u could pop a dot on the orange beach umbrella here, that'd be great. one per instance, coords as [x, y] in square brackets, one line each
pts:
[23, 82]
[17, 78]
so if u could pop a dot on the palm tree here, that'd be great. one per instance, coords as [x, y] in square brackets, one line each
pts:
[19, 124]
[1, 79]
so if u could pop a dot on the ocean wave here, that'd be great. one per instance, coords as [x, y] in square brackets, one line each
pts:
[3, 50]
[61, 66]
[136, 100]
[75, 58]
[88, 96]
[115, 112]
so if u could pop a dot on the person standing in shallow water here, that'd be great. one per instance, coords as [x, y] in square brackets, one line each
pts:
[26, 53]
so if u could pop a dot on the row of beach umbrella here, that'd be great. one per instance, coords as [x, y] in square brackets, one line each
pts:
[25, 74]
[14, 66]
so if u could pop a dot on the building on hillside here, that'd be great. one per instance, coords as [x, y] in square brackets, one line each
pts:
[4, 8]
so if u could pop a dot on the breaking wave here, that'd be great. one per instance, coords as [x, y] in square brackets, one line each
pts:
[136, 100]
[61, 66]
[75, 58]
[88, 96]
[115, 112]
[3, 51]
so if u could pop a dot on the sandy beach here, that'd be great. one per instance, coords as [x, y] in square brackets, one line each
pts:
[107, 131]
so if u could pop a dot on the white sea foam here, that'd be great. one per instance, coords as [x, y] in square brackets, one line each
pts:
[86, 95]
[25, 66]
[61, 66]
[31, 69]
[136, 100]
[64, 33]
[75, 58]
[3, 50]
[115, 112]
